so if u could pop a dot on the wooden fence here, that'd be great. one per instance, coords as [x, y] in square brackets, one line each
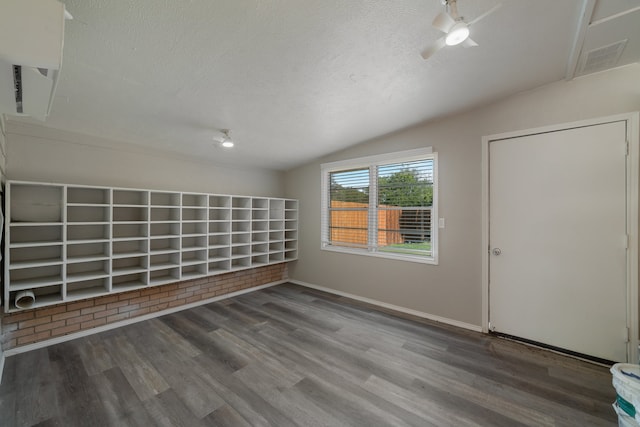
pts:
[350, 226]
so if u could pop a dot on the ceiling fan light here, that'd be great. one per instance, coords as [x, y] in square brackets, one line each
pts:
[457, 34]
[227, 143]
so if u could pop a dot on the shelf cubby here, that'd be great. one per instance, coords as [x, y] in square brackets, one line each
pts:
[219, 240]
[240, 239]
[219, 214]
[129, 248]
[81, 252]
[217, 267]
[238, 202]
[131, 265]
[164, 276]
[130, 197]
[130, 213]
[88, 196]
[88, 288]
[164, 214]
[87, 232]
[165, 199]
[193, 271]
[36, 256]
[82, 214]
[219, 227]
[128, 282]
[191, 257]
[164, 245]
[218, 254]
[194, 200]
[36, 235]
[83, 271]
[35, 277]
[44, 296]
[194, 228]
[68, 242]
[163, 261]
[39, 203]
[238, 263]
[259, 260]
[164, 229]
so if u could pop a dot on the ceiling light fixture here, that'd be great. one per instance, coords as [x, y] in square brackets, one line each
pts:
[458, 33]
[226, 140]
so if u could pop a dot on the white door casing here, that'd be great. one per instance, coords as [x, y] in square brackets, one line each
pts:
[558, 204]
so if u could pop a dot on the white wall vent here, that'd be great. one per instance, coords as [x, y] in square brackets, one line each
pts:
[31, 41]
[602, 58]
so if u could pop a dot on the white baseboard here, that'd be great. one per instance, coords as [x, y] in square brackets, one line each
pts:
[80, 334]
[2, 357]
[416, 313]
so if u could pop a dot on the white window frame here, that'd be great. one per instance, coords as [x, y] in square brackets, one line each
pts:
[368, 162]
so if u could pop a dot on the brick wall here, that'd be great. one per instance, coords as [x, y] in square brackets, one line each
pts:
[30, 326]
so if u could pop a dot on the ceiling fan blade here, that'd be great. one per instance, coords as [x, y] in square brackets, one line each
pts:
[443, 22]
[469, 43]
[433, 48]
[484, 15]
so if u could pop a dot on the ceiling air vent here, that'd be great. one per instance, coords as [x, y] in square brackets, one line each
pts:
[602, 58]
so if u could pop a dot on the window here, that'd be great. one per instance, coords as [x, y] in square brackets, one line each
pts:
[382, 206]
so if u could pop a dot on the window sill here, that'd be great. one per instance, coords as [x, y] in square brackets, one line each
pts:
[399, 257]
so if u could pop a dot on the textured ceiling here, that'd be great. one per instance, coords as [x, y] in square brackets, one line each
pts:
[293, 80]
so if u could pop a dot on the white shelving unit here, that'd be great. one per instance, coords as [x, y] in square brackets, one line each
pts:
[69, 242]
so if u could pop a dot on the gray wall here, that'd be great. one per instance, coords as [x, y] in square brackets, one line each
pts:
[451, 289]
[35, 153]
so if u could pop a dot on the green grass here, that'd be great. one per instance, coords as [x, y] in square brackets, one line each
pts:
[405, 247]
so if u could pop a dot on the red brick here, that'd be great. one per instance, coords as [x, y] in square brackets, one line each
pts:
[158, 296]
[93, 323]
[129, 295]
[138, 300]
[150, 291]
[18, 317]
[176, 303]
[34, 322]
[21, 332]
[33, 338]
[79, 319]
[117, 317]
[49, 326]
[117, 304]
[139, 312]
[79, 305]
[51, 310]
[93, 309]
[67, 315]
[105, 313]
[106, 299]
[193, 299]
[128, 308]
[65, 330]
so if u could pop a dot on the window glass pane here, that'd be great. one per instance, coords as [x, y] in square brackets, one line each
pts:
[405, 198]
[349, 208]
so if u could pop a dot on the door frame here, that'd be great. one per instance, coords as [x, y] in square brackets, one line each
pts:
[633, 164]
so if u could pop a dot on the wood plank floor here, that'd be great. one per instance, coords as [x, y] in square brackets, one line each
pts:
[291, 356]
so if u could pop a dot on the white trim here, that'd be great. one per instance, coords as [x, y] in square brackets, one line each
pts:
[410, 311]
[586, 13]
[370, 162]
[633, 175]
[2, 359]
[80, 334]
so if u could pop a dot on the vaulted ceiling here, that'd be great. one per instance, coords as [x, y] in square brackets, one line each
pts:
[295, 80]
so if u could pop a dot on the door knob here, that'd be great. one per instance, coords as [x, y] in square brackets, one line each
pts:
[496, 251]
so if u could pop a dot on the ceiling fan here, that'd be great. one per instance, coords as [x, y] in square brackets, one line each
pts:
[454, 26]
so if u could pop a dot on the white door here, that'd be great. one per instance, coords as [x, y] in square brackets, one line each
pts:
[557, 233]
